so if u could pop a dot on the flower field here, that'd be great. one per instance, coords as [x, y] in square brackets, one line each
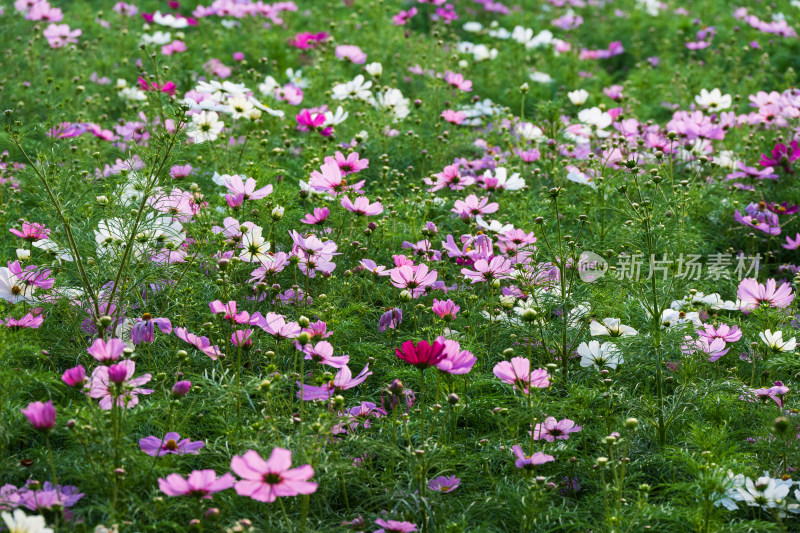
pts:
[397, 266]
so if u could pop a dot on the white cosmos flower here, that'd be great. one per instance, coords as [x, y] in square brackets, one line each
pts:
[205, 127]
[576, 176]
[495, 226]
[13, 289]
[540, 77]
[393, 100]
[265, 108]
[132, 94]
[543, 38]
[713, 100]
[170, 20]
[158, 38]
[334, 119]
[374, 69]
[504, 181]
[529, 132]
[673, 317]
[612, 327]
[776, 343]
[764, 492]
[599, 355]
[267, 88]
[357, 88]
[597, 119]
[254, 246]
[296, 78]
[240, 107]
[49, 246]
[578, 97]
[19, 522]
[219, 91]
[472, 27]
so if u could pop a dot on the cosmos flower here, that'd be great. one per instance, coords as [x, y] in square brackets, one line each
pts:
[265, 481]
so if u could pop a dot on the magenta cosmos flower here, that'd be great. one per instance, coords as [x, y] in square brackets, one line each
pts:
[529, 461]
[349, 164]
[518, 373]
[42, 416]
[201, 343]
[444, 484]
[144, 329]
[456, 360]
[422, 355]
[394, 526]
[319, 216]
[497, 268]
[753, 294]
[200, 484]
[170, 443]
[265, 481]
[551, 429]
[446, 310]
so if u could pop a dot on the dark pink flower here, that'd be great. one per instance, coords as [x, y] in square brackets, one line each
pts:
[422, 354]
[42, 416]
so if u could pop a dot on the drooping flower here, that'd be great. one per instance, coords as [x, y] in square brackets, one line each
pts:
[201, 343]
[143, 330]
[265, 481]
[394, 526]
[390, 319]
[343, 380]
[612, 327]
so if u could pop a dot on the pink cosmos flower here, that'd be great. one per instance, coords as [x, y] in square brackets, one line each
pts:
[201, 343]
[422, 355]
[348, 165]
[74, 377]
[200, 484]
[351, 52]
[416, 278]
[444, 484]
[343, 380]
[530, 461]
[454, 117]
[171, 443]
[306, 121]
[306, 40]
[175, 47]
[371, 266]
[446, 310]
[792, 244]
[276, 325]
[228, 312]
[451, 178]
[404, 16]
[472, 206]
[358, 416]
[265, 481]
[242, 338]
[42, 416]
[319, 216]
[116, 382]
[394, 526]
[723, 331]
[237, 186]
[329, 179]
[774, 393]
[31, 231]
[458, 81]
[498, 268]
[551, 429]
[179, 172]
[43, 11]
[456, 360]
[106, 352]
[752, 294]
[713, 349]
[59, 35]
[31, 320]
[518, 373]
[322, 352]
[361, 206]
